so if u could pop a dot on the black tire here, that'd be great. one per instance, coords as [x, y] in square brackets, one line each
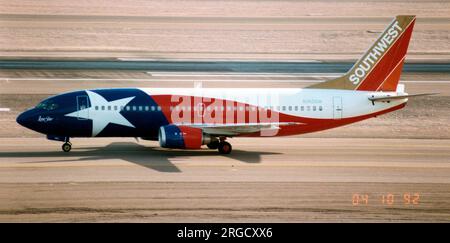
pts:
[66, 147]
[225, 148]
[213, 145]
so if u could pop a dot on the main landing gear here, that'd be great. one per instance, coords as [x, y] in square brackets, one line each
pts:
[223, 146]
[67, 146]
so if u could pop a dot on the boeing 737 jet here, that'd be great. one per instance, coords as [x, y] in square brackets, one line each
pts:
[187, 118]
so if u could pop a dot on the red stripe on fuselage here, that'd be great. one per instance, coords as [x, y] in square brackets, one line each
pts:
[315, 125]
[306, 125]
[209, 110]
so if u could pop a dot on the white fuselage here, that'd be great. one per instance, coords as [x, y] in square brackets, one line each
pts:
[306, 103]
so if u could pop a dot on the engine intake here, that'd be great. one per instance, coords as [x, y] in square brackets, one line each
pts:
[173, 136]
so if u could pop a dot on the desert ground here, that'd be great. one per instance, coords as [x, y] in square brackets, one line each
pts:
[319, 177]
[248, 29]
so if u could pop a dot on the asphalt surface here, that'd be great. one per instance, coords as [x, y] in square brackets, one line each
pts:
[212, 19]
[263, 180]
[209, 66]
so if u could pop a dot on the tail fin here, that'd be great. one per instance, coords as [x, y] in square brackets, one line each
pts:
[380, 67]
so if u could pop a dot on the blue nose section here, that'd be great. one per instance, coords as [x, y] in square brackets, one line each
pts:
[24, 119]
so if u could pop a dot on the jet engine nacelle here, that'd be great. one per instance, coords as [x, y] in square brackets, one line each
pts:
[173, 136]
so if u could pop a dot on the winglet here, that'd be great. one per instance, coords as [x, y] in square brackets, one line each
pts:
[380, 67]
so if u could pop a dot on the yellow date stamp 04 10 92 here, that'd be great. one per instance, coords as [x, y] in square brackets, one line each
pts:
[407, 198]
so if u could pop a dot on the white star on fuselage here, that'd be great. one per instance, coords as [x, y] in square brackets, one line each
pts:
[102, 117]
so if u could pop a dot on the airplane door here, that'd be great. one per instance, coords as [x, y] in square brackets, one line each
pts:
[82, 105]
[337, 107]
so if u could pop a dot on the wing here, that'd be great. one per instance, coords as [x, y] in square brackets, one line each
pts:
[231, 130]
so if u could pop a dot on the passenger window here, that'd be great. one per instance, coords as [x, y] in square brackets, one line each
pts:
[134, 108]
[284, 108]
[140, 108]
[109, 107]
[159, 108]
[296, 108]
[103, 107]
[314, 108]
[127, 108]
[302, 108]
[320, 108]
[290, 108]
[115, 107]
[96, 107]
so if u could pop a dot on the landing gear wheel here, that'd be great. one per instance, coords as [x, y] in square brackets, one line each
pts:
[66, 147]
[225, 148]
[213, 145]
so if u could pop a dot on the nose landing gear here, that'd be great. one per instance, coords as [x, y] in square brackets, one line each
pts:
[67, 146]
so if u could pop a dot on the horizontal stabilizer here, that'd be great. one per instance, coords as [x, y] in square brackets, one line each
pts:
[389, 97]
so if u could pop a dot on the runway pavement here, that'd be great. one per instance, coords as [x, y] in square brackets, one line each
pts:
[341, 175]
[58, 81]
[268, 180]
[209, 66]
[391, 169]
[424, 117]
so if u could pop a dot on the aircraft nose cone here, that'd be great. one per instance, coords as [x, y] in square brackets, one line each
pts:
[24, 119]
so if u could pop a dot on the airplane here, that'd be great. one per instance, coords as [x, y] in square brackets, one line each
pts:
[188, 118]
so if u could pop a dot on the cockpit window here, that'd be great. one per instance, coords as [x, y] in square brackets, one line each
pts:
[48, 105]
